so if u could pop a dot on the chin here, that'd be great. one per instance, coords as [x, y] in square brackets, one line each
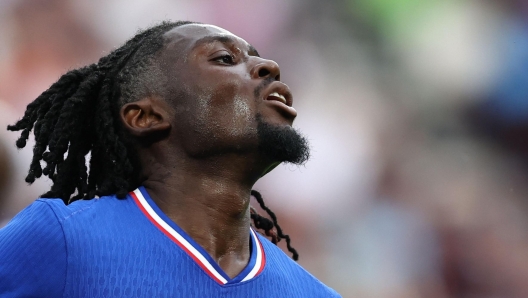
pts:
[282, 143]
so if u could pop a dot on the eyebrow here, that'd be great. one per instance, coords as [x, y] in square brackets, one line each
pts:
[223, 39]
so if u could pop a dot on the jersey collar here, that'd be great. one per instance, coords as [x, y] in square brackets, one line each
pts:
[254, 267]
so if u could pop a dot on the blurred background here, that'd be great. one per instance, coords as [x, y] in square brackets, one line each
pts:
[417, 113]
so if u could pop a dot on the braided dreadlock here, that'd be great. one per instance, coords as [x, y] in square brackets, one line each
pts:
[78, 115]
[271, 228]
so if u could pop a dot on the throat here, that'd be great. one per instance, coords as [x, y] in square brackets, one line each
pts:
[209, 201]
[234, 264]
[215, 219]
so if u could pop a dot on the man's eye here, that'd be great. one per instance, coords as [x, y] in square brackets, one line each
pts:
[227, 59]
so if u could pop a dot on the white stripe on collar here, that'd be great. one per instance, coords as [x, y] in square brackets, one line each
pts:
[184, 242]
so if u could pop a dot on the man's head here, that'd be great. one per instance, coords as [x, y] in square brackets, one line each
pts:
[198, 88]
[218, 97]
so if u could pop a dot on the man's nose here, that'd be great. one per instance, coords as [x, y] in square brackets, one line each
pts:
[266, 69]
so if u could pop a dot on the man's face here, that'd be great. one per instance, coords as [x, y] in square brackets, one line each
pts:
[222, 92]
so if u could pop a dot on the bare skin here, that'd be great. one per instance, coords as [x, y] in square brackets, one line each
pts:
[204, 162]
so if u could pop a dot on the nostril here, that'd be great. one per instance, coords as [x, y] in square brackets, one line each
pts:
[277, 78]
[263, 72]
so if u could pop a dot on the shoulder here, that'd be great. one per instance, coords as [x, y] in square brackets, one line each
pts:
[32, 245]
[35, 219]
[41, 239]
[289, 271]
[45, 221]
[39, 222]
[64, 212]
[88, 211]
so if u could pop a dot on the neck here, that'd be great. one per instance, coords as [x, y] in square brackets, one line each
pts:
[209, 200]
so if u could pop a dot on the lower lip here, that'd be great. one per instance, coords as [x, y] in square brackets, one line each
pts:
[291, 111]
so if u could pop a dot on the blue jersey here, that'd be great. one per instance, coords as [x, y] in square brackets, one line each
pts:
[109, 247]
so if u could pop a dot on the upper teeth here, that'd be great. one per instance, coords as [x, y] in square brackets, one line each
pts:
[276, 94]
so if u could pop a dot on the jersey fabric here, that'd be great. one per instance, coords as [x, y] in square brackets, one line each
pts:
[108, 247]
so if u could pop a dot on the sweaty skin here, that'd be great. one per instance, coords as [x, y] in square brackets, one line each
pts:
[201, 170]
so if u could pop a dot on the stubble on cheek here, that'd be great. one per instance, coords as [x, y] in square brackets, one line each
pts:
[220, 118]
[242, 118]
[193, 113]
[204, 113]
[231, 112]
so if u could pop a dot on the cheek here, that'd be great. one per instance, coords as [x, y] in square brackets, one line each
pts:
[241, 109]
[224, 111]
[235, 114]
[232, 106]
[243, 117]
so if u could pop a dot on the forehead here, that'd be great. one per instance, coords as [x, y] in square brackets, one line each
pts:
[191, 35]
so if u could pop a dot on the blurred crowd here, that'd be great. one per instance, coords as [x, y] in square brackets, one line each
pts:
[416, 110]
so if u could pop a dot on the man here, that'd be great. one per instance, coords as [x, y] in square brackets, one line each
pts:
[180, 122]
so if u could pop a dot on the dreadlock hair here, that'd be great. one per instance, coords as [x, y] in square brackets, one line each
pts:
[271, 228]
[78, 115]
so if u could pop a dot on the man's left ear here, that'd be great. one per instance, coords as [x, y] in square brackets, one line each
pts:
[146, 117]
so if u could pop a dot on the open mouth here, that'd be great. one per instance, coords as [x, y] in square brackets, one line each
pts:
[278, 97]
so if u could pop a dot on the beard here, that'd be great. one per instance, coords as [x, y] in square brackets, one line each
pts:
[282, 143]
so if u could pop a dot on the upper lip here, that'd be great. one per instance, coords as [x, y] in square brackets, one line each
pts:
[281, 89]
